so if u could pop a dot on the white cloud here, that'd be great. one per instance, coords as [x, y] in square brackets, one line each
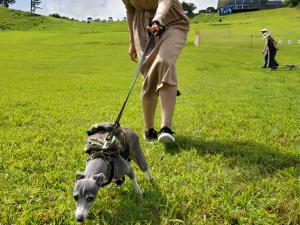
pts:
[203, 4]
[81, 9]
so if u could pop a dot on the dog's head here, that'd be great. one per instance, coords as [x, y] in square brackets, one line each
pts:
[85, 192]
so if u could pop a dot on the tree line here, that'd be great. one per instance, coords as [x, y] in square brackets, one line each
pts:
[291, 3]
[188, 7]
[34, 4]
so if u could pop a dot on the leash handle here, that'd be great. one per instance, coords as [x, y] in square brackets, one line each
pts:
[117, 121]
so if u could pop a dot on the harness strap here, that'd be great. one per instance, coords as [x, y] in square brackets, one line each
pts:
[126, 151]
[125, 154]
[111, 175]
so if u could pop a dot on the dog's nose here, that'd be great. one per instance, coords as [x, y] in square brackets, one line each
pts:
[79, 218]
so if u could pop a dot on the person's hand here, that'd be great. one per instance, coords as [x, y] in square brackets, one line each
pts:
[156, 27]
[153, 28]
[263, 52]
[132, 53]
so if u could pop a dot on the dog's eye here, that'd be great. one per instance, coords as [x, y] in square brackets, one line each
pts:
[76, 197]
[89, 199]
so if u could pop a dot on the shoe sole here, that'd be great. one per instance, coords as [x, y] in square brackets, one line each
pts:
[166, 138]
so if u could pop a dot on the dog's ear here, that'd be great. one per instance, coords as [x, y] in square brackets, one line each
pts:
[99, 178]
[79, 176]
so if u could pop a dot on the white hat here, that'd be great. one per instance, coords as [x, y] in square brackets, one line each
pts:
[266, 35]
[264, 30]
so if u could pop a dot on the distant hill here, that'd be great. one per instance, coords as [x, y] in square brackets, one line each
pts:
[11, 19]
[14, 20]
[282, 21]
[277, 19]
[270, 15]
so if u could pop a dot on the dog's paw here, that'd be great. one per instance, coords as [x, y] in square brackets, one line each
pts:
[149, 175]
[140, 194]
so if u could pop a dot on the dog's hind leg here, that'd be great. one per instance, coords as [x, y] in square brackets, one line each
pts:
[134, 181]
[140, 160]
[149, 174]
[137, 155]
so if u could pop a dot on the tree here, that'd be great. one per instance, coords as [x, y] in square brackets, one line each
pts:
[188, 8]
[34, 5]
[211, 9]
[291, 3]
[6, 3]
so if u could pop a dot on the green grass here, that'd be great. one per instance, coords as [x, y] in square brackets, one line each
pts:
[237, 126]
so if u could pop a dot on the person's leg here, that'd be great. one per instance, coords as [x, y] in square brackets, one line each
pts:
[276, 63]
[266, 59]
[167, 95]
[149, 107]
[272, 63]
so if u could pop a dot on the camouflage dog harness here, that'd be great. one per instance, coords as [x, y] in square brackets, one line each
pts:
[98, 147]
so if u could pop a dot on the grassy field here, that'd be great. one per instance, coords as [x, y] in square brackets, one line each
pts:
[237, 125]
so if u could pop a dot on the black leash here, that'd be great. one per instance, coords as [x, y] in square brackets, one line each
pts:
[117, 122]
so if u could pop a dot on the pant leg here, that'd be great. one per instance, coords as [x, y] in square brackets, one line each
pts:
[272, 62]
[266, 58]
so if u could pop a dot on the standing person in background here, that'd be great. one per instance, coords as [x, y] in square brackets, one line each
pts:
[159, 69]
[270, 47]
[197, 39]
[266, 55]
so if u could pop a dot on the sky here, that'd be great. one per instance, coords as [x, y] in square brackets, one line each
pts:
[81, 9]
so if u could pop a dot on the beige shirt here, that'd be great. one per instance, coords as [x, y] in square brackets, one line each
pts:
[164, 10]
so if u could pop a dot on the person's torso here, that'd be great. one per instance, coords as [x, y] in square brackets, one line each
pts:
[271, 45]
[175, 13]
[144, 4]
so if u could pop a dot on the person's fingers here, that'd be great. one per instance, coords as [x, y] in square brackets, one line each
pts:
[133, 56]
[134, 59]
[149, 28]
[153, 28]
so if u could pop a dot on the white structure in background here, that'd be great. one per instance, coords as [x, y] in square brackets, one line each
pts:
[280, 41]
[110, 19]
[289, 42]
[298, 42]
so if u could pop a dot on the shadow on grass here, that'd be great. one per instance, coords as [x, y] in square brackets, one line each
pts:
[131, 209]
[246, 153]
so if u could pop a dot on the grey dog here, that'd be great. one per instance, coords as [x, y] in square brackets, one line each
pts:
[290, 66]
[101, 171]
